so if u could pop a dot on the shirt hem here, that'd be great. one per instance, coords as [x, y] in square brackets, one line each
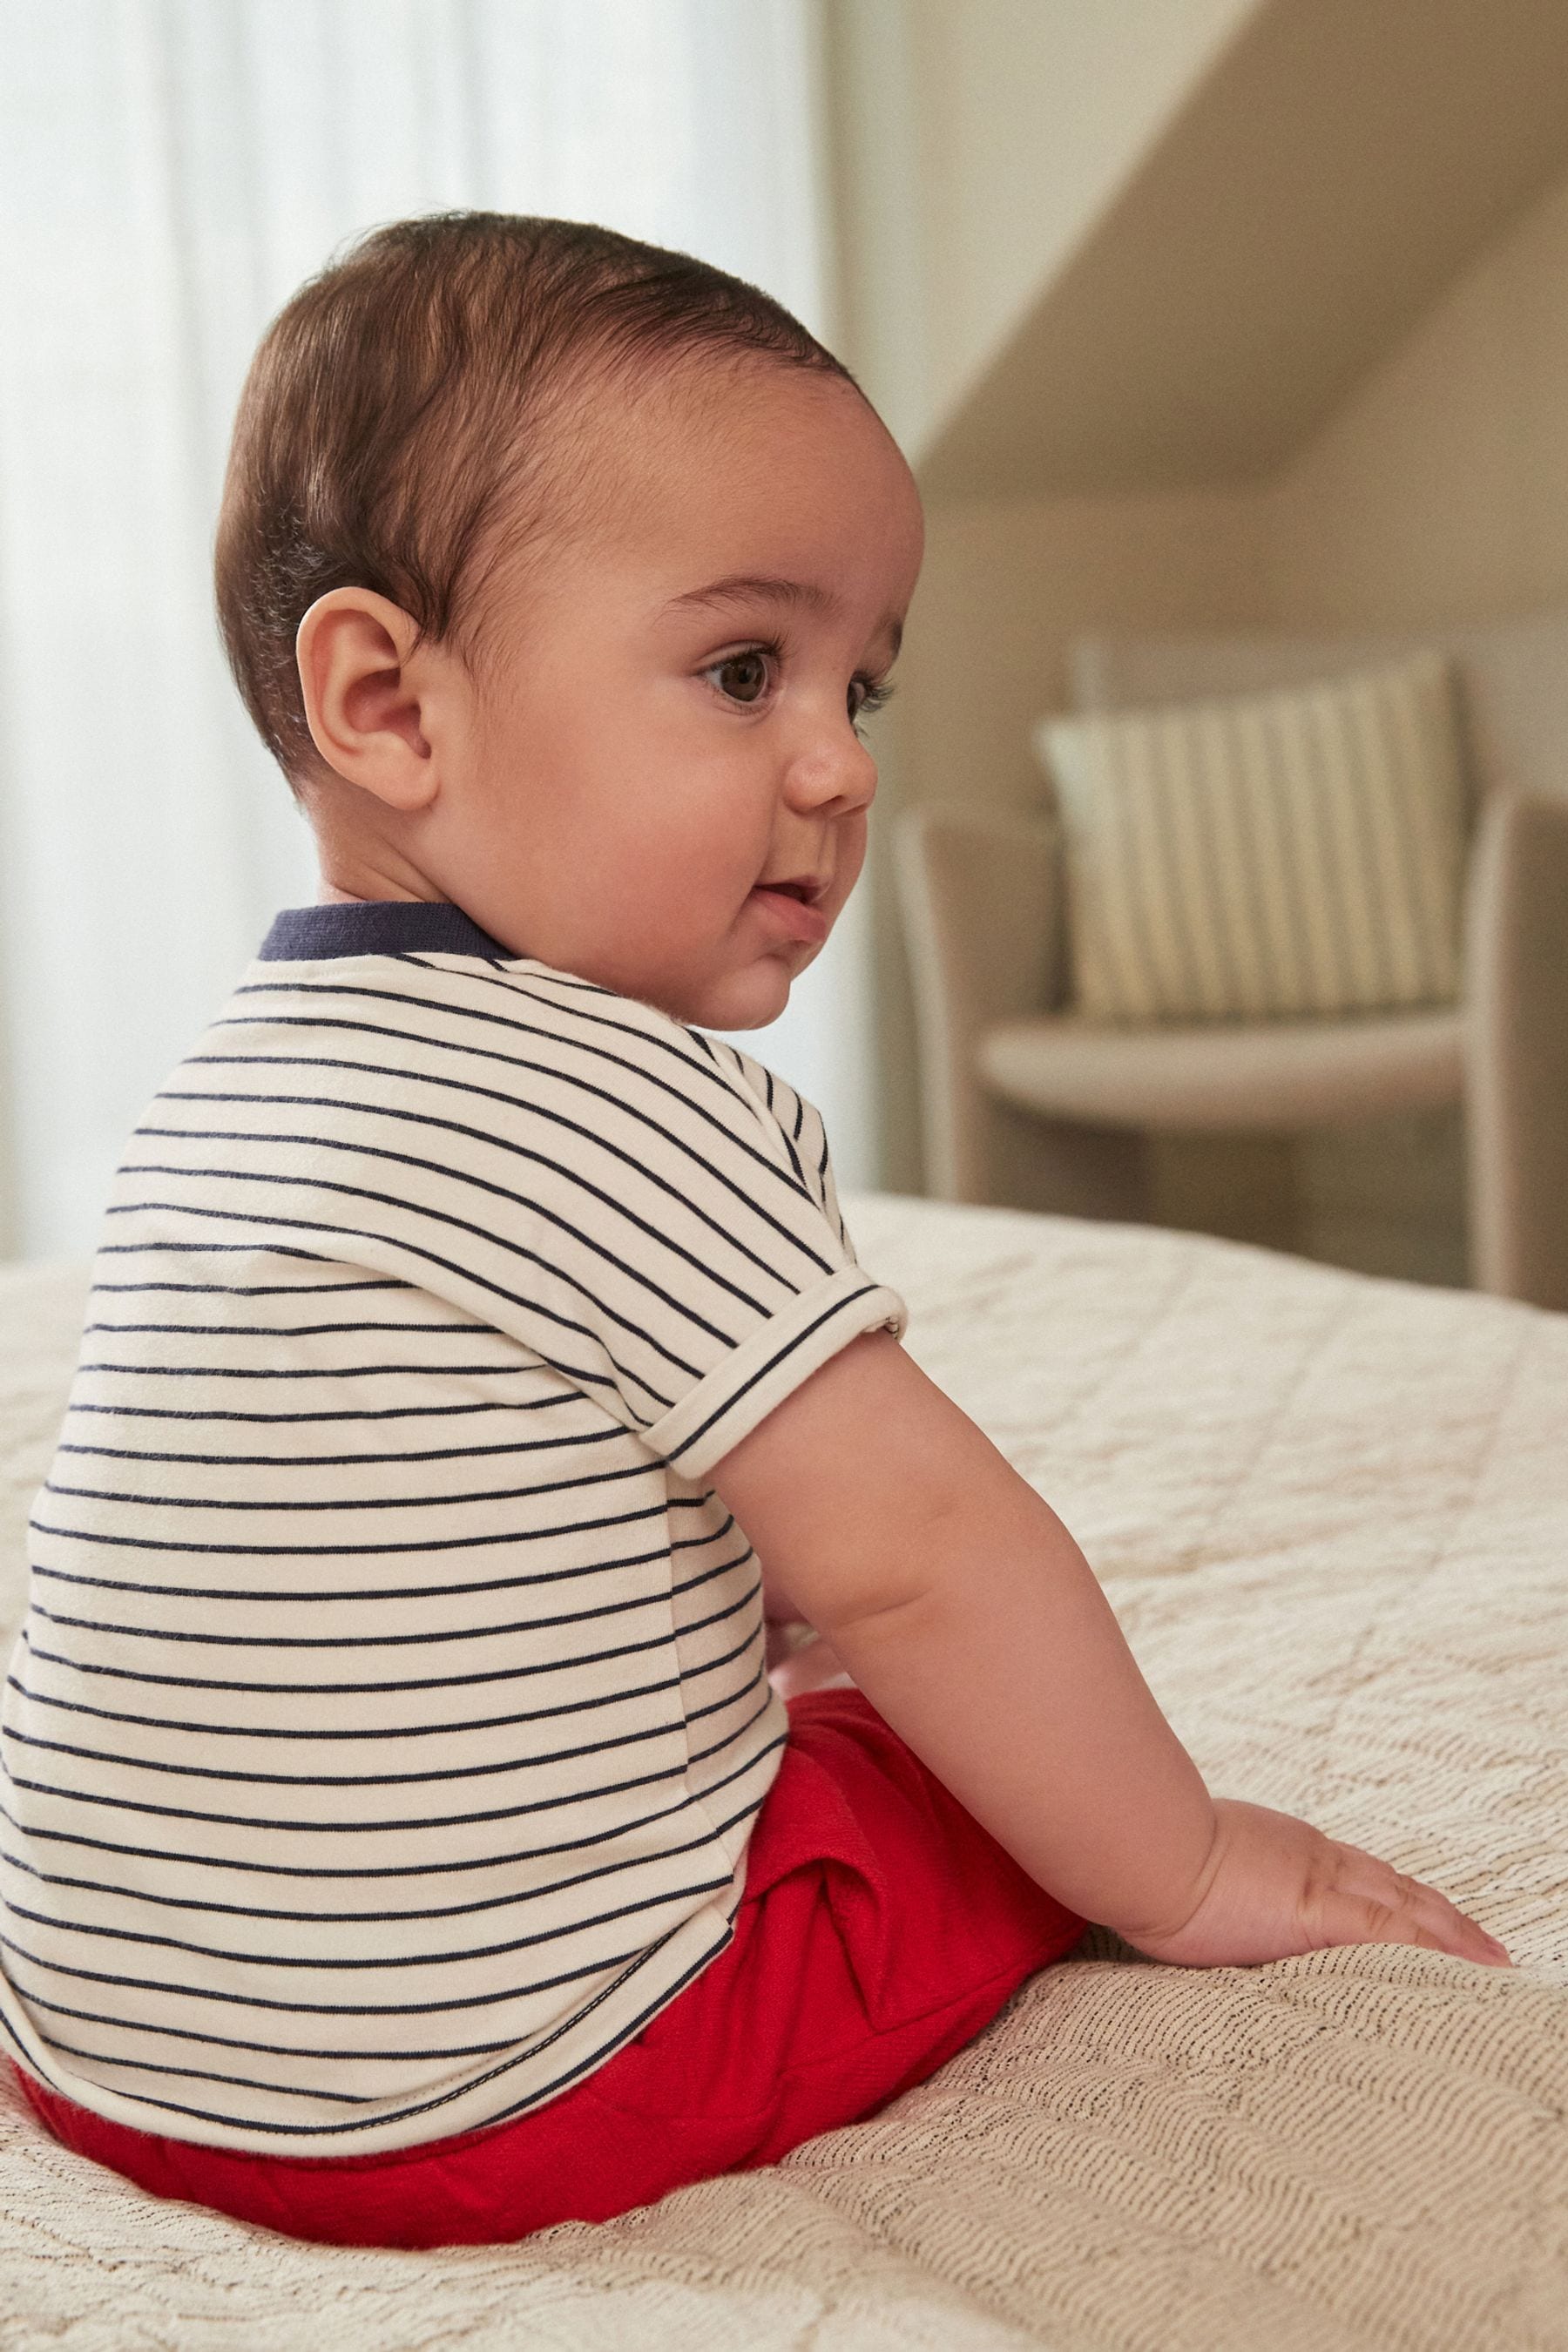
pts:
[769, 1365]
[595, 2038]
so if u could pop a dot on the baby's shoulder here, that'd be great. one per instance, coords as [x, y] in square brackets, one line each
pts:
[792, 1123]
[513, 1052]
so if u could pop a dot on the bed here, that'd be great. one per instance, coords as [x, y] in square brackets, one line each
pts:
[1333, 1514]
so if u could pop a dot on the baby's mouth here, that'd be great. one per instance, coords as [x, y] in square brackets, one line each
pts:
[791, 904]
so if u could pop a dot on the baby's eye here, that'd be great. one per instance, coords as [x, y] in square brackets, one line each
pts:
[873, 697]
[749, 668]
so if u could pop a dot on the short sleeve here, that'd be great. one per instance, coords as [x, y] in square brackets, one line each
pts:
[679, 1255]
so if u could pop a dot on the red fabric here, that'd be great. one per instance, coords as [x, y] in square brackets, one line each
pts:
[880, 1929]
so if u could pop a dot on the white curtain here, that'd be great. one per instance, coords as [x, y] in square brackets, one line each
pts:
[169, 170]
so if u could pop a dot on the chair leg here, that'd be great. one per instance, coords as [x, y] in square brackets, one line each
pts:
[1063, 1170]
[1517, 1051]
[1241, 1186]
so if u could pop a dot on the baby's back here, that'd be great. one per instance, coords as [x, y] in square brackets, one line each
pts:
[388, 1720]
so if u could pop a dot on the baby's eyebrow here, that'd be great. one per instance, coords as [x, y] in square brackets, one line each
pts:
[761, 587]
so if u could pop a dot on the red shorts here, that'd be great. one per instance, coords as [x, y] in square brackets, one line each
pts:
[881, 1928]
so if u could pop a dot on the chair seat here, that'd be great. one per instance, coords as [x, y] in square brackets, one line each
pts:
[1276, 1075]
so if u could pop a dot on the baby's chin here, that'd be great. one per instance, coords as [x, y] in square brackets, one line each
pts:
[747, 998]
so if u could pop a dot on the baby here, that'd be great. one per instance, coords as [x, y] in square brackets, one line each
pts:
[406, 1840]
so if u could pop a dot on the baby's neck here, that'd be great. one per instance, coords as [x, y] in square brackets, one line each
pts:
[358, 857]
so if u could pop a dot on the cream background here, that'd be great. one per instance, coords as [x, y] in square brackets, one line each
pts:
[977, 147]
[169, 170]
[1437, 487]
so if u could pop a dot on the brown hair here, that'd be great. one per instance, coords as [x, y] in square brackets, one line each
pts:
[415, 384]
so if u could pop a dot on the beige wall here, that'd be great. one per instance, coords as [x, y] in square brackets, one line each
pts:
[1036, 112]
[1439, 490]
[978, 142]
[1304, 204]
[973, 149]
[1003, 592]
[1004, 589]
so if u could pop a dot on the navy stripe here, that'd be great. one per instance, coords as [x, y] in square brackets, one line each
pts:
[574, 1176]
[316, 1732]
[533, 1109]
[380, 1959]
[733, 1141]
[344, 1461]
[417, 1683]
[539, 1894]
[310, 1184]
[648, 1469]
[446, 1868]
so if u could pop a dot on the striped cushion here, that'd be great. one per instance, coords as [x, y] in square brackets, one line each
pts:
[1288, 852]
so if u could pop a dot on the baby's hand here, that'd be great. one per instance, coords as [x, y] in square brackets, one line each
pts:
[1274, 1886]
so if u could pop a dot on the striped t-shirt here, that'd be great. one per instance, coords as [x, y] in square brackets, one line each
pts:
[382, 1741]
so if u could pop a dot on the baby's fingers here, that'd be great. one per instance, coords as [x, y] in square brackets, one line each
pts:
[1365, 1901]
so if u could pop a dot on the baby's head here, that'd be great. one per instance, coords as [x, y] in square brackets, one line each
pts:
[556, 570]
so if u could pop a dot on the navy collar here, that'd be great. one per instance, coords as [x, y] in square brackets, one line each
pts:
[376, 926]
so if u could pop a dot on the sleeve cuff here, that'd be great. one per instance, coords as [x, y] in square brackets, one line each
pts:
[768, 1365]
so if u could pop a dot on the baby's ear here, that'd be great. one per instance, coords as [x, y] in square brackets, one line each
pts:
[357, 656]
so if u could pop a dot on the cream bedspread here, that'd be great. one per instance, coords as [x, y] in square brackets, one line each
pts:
[1333, 1516]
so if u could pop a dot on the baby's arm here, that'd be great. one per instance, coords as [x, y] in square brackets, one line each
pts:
[968, 1615]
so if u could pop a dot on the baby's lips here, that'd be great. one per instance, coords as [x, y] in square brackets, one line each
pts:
[804, 924]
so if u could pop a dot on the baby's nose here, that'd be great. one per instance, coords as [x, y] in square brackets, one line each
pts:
[833, 780]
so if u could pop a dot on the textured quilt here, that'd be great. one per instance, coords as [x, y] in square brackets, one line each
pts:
[1333, 1514]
